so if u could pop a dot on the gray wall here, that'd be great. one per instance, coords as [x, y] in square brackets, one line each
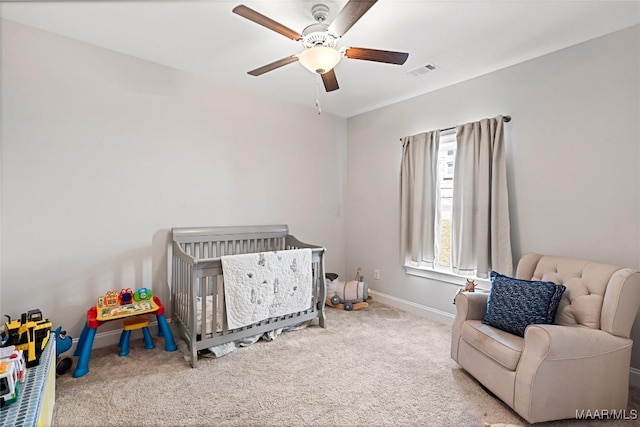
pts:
[573, 162]
[103, 153]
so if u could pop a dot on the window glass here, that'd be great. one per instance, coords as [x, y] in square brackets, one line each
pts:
[446, 164]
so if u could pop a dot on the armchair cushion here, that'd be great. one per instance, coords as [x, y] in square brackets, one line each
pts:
[514, 304]
[501, 346]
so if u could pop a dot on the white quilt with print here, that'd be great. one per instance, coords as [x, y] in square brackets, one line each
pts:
[261, 285]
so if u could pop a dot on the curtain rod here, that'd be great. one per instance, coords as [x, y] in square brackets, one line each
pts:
[505, 119]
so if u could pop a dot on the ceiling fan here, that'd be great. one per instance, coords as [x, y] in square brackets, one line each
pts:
[320, 40]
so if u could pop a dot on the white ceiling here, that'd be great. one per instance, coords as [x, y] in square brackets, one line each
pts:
[464, 39]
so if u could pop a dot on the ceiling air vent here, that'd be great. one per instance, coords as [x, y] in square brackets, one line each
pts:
[421, 71]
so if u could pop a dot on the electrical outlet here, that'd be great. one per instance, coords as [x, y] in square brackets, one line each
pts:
[376, 274]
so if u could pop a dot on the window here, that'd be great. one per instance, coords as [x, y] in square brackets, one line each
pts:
[446, 162]
[446, 168]
[435, 200]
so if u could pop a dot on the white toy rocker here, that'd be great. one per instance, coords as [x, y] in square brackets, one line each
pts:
[352, 295]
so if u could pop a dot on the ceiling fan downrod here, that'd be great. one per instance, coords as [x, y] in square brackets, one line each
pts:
[320, 12]
[318, 34]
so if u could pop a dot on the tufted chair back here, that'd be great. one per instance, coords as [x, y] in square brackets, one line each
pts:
[598, 296]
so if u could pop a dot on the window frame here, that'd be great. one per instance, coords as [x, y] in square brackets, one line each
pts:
[446, 276]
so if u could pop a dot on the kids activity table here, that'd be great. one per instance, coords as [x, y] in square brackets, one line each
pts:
[97, 316]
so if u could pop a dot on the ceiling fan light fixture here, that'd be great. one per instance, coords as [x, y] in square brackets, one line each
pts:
[319, 59]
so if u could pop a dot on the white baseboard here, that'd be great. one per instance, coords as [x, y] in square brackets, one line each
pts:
[414, 308]
[447, 319]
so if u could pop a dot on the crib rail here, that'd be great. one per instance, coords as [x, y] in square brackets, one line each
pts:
[214, 242]
[197, 282]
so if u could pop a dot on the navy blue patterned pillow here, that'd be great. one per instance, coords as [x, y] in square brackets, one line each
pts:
[514, 304]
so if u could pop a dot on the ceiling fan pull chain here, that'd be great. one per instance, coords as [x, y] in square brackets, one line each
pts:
[318, 94]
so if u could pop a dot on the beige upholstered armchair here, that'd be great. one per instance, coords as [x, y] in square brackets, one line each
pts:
[579, 363]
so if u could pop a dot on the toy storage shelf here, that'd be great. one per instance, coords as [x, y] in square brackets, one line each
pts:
[37, 393]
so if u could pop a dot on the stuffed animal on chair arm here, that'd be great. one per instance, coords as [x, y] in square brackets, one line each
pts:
[470, 286]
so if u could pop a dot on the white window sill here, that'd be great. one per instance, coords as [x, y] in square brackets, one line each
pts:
[447, 276]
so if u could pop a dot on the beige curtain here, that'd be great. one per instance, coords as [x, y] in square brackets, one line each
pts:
[419, 207]
[480, 229]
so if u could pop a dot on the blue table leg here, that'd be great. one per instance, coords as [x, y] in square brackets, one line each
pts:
[163, 326]
[85, 352]
[148, 339]
[81, 340]
[124, 343]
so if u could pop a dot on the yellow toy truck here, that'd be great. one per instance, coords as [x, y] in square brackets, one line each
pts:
[30, 335]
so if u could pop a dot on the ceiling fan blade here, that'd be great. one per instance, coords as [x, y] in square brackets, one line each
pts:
[385, 56]
[349, 15]
[277, 64]
[269, 23]
[330, 81]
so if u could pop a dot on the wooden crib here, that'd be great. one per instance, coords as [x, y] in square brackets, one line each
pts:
[197, 282]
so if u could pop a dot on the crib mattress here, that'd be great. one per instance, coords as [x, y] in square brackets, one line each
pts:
[208, 321]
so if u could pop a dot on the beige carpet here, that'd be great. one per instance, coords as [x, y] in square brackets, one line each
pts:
[373, 367]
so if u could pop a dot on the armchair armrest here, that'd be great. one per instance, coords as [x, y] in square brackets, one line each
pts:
[574, 365]
[469, 306]
[555, 342]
